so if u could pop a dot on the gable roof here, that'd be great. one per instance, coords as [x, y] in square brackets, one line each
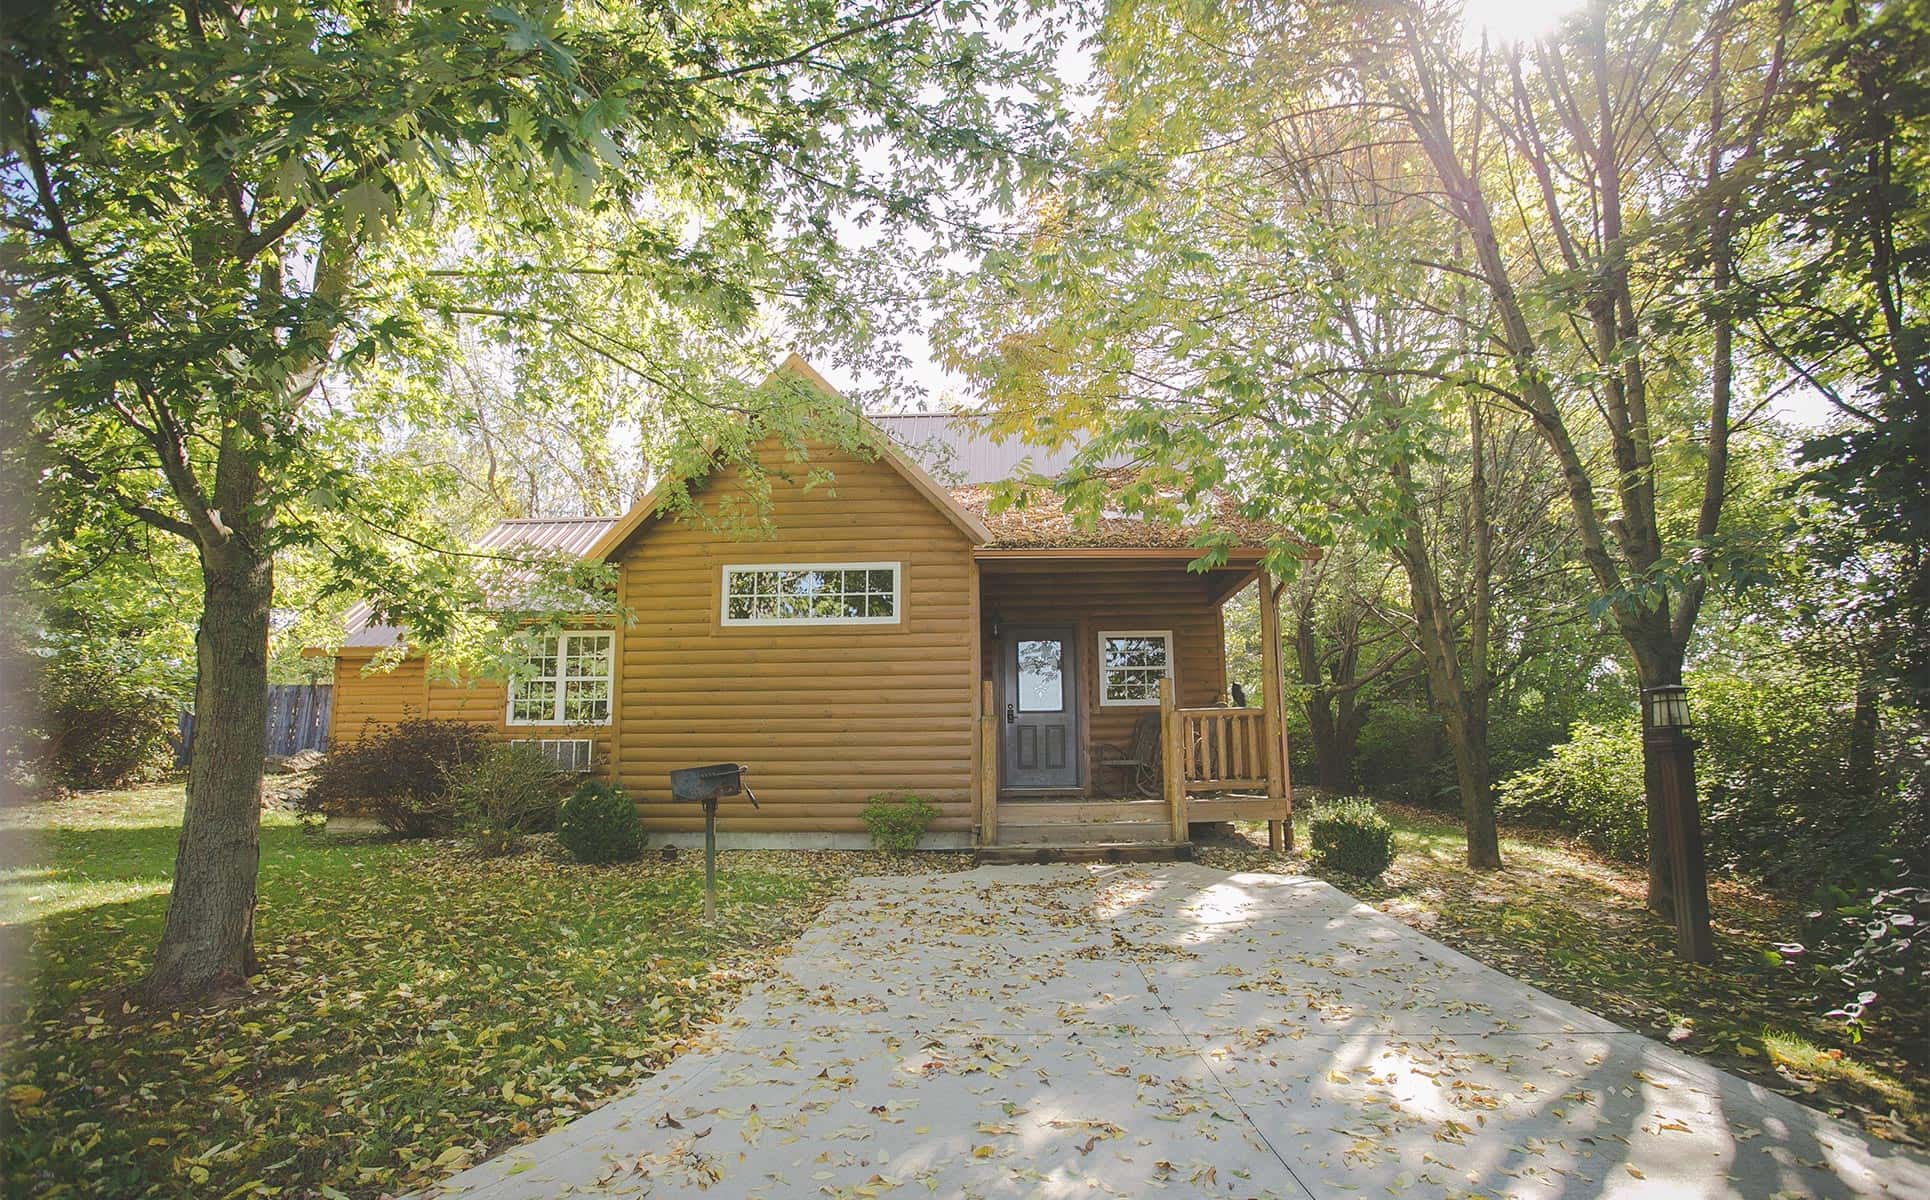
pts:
[941, 497]
[570, 535]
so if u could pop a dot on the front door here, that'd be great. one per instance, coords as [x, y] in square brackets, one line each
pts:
[1041, 696]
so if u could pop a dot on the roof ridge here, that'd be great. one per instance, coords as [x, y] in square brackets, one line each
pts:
[949, 413]
[550, 520]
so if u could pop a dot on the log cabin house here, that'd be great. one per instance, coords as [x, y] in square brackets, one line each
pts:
[895, 635]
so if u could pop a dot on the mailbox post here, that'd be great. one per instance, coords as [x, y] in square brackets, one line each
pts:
[706, 785]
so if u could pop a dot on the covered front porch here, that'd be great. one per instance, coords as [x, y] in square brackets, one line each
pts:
[1107, 717]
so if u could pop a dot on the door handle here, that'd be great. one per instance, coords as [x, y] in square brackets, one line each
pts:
[1011, 716]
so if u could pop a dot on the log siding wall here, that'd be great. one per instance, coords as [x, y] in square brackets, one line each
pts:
[824, 715]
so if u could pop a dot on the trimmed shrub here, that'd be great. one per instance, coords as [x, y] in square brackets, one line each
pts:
[102, 731]
[897, 822]
[1350, 836]
[506, 792]
[599, 824]
[399, 775]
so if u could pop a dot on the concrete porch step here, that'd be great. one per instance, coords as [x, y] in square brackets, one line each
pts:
[1084, 852]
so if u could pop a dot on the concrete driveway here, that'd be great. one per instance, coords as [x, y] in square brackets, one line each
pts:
[1122, 1031]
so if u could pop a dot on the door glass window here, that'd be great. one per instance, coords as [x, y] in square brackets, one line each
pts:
[1042, 675]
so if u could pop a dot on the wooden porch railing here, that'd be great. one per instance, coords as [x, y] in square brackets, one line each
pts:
[1217, 765]
[1224, 749]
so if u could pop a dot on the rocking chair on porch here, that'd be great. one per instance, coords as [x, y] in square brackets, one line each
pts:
[1139, 764]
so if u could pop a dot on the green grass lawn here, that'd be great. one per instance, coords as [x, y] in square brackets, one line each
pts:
[417, 1007]
[1574, 924]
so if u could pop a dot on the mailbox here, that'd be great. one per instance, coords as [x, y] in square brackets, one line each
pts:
[704, 785]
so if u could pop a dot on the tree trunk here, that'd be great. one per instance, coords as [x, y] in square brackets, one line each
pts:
[1863, 733]
[1335, 716]
[1472, 761]
[1468, 735]
[1335, 723]
[1447, 682]
[207, 944]
[1658, 663]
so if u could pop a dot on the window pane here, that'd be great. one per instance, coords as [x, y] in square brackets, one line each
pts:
[1041, 676]
[535, 701]
[589, 657]
[1134, 683]
[807, 594]
[1131, 666]
[586, 700]
[541, 662]
[1135, 652]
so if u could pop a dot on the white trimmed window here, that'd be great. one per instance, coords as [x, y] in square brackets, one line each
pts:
[1131, 664]
[567, 680]
[811, 594]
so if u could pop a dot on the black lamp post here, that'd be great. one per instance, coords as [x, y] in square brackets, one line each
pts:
[1670, 753]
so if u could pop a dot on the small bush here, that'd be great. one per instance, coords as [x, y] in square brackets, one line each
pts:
[897, 822]
[398, 775]
[599, 824]
[103, 731]
[1351, 837]
[506, 792]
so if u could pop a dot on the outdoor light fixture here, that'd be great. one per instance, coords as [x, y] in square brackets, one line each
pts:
[1666, 707]
[996, 619]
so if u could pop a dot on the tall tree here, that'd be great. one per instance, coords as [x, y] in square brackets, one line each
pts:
[216, 212]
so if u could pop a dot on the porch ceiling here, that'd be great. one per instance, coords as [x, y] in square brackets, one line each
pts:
[1219, 583]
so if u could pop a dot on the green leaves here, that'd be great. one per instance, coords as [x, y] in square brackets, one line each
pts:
[590, 217]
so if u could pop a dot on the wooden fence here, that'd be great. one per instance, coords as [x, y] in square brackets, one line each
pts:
[297, 720]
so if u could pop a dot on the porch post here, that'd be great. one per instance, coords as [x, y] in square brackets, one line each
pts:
[1172, 768]
[1274, 702]
[987, 773]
